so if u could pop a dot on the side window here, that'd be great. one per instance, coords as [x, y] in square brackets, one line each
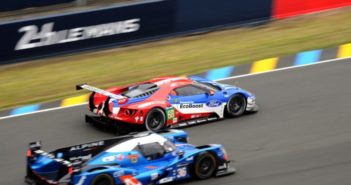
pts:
[189, 90]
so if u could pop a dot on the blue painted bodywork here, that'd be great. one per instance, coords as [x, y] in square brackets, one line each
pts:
[172, 166]
[220, 96]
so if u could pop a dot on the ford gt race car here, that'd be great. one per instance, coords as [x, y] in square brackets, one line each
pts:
[168, 102]
[135, 159]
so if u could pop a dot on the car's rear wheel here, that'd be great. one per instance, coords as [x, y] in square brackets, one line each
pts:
[103, 179]
[205, 166]
[236, 105]
[155, 120]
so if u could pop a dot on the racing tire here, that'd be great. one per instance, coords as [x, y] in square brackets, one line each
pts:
[103, 179]
[155, 120]
[205, 166]
[236, 105]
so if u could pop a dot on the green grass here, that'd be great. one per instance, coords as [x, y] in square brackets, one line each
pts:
[55, 78]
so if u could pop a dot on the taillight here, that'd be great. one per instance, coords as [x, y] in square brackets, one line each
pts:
[29, 153]
[122, 101]
[70, 170]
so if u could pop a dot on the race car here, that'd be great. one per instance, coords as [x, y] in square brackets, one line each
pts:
[167, 102]
[134, 159]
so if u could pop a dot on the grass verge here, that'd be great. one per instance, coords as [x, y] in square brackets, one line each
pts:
[55, 78]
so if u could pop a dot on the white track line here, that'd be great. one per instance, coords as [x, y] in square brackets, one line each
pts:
[222, 79]
[283, 68]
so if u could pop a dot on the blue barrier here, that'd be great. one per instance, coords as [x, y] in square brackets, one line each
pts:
[8, 5]
[120, 25]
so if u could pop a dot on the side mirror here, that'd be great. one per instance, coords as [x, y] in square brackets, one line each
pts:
[180, 154]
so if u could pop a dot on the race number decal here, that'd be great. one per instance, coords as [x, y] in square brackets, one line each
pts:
[181, 172]
[129, 180]
[170, 113]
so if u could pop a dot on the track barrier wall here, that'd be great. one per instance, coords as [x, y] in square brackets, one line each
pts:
[123, 24]
[8, 5]
[131, 23]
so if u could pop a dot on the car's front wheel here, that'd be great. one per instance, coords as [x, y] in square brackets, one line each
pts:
[103, 179]
[155, 120]
[205, 166]
[236, 105]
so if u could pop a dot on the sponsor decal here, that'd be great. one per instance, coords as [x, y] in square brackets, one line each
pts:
[190, 158]
[81, 180]
[214, 103]
[129, 180]
[137, 119]
[170, 113]
[175, 120]
[108, 159]
[86, 146]
[154, 176]
[84, 158]
[51, 156]
[182, 164]
[175, 100]
[118, 173]
[166, 180]
[120, 157]
[150, 167]
[133, 158]
[181, 172]
[46, 35]
[191, 105]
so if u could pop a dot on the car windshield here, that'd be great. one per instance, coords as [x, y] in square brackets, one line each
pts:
[131, 144]
[140, 90]
[208, 86]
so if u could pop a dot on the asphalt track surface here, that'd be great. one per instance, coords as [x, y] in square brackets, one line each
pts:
[300, 136]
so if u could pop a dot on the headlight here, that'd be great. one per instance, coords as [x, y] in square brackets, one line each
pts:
[225, 155]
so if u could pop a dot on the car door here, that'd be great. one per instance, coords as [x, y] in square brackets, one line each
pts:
[196, 101]
[190, 100]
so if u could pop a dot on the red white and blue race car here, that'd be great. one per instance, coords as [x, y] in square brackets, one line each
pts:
[167, 102]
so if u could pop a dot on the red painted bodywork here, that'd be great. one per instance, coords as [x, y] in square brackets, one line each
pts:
[289, 8]
[158, 99]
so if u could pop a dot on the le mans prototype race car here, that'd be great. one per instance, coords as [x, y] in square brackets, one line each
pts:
[168, 102]
[134, 159]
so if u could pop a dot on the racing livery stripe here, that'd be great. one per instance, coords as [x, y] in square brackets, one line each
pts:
[344, 51]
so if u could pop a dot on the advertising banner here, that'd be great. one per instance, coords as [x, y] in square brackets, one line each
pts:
[73, 32]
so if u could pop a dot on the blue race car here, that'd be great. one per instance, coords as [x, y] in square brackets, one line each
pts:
[134, 159]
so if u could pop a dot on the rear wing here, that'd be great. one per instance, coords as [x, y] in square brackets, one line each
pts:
[63, 173]
[70, 160]
[100, 91]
